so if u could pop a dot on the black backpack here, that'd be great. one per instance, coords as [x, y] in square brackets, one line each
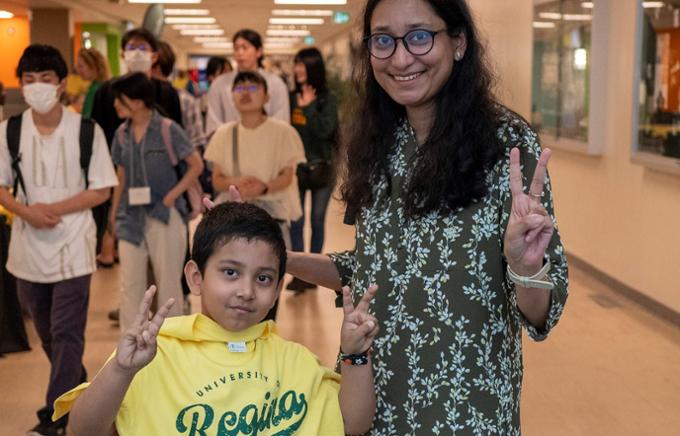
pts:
[14, 140]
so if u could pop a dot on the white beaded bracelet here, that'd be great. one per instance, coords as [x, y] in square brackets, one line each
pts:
[532, 281]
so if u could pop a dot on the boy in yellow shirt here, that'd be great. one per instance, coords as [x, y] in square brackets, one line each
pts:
[224, 371]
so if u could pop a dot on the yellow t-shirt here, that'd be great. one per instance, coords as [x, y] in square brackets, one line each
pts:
[205, 380]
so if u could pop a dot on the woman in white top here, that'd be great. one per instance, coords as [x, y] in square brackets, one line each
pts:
[262, 165]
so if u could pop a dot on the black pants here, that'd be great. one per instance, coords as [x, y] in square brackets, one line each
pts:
[59, 312]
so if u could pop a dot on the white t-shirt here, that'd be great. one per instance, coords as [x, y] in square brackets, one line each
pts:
[262, 152]
[221, 109]
[51, 169]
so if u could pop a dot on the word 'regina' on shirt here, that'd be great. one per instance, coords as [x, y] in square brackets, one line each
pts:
[285, 415]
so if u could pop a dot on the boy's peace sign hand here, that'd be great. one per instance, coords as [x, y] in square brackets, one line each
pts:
[137, 347]
[359, 328]
[529, 227]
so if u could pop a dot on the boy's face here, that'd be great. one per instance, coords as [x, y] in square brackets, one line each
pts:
[240, 283]
[48, 76]
[249, 97]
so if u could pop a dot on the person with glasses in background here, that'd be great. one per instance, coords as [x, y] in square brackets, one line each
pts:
[258, 155]
[449, 193]
[139, 52]
[248, 54]
[314, 114]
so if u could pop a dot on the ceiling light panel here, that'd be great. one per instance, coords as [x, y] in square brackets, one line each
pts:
[287, 32]
[202, 32]
[310, 2]
[195, 26]
[187, 12]
[190, 20]
[202, 39]
[305, 21]
[302, 12]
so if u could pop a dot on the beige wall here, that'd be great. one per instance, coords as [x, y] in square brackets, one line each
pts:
[620, 217]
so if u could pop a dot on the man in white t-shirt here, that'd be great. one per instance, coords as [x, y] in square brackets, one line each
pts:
[248, 54]
[52, 248]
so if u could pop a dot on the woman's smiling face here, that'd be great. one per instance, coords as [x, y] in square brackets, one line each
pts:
[410, 80]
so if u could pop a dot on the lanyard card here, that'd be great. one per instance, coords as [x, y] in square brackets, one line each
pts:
[139, 196]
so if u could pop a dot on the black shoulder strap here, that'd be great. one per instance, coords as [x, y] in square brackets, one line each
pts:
[13, 144]
[86, 143]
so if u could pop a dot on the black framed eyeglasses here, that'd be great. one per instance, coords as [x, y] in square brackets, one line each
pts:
[418, 42]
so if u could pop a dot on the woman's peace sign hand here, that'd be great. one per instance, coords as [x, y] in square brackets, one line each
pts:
[359, 327]
[529, 227]
[137, 347]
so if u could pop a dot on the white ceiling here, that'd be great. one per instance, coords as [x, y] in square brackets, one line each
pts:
[231, 15]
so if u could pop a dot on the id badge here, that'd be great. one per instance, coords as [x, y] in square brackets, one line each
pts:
[139, 196]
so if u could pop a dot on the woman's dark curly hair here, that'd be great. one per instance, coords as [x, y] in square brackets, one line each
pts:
[449, 168]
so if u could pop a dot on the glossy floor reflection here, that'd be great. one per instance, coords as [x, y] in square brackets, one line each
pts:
[609, 368]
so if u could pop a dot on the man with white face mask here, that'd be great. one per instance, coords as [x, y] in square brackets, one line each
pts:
[52, 247]
[139, 52]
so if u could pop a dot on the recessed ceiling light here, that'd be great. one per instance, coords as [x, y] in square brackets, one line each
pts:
[287, 32]
[218, 45]
[190, 20]
[303, 12]
[650, 5]
[543, 25]
[550, 15]
[195, 26]
[187, 12]
[293, 39]
[577, 17]
[587, 5]
[6, 15]
[308, 21]
[310, 2]
[202, 32]
[202, 39]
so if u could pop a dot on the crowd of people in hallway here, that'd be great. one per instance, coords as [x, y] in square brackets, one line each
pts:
[456, 245]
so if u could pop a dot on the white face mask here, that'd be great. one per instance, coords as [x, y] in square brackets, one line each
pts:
[41, 97]
[137, 61]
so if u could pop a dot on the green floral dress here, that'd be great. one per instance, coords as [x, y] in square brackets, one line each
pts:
[448, 358]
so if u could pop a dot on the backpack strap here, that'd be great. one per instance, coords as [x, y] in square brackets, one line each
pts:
[86, 144]
[166, 124]
[13, 144]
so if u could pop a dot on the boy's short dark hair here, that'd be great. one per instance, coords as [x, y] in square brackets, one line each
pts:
[166, 58]
[229, 221]
[140, 33]
[41, 57]
[250, 76]
[135, 86]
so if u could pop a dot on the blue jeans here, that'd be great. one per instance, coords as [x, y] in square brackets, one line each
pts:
[320, 198]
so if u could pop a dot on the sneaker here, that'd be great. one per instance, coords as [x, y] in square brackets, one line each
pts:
[114, 314]
[46, 427]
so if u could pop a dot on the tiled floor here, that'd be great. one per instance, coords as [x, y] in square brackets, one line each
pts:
[609, 368]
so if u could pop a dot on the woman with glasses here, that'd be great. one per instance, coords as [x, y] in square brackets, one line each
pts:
[454, 221]
[258, 155]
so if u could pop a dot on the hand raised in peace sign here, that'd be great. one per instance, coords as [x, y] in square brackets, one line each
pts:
[529, 228]
[359, 327]
[137, 347]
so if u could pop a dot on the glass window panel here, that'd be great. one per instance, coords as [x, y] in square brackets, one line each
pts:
[561, 68]
[659, 87]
